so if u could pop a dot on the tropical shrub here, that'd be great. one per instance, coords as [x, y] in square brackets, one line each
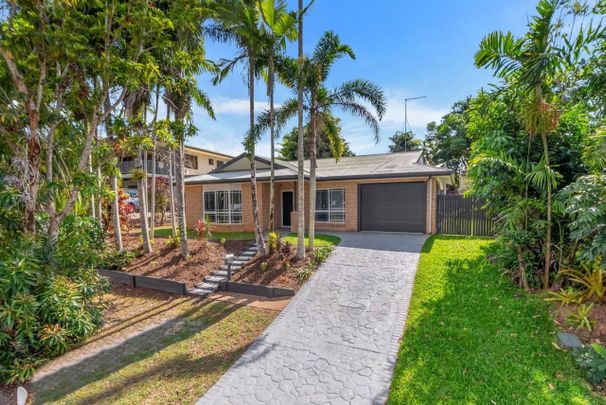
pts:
[565, 296]
[203, 229]
[592, 360]
[321, 254]
[114, 259]
[590, 278]
[580, 317]
[48, 301]
[274, 242]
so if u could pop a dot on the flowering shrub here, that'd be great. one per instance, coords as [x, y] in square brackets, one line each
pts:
[203, 229]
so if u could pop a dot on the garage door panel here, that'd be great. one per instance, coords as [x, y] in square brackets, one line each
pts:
[393, 207]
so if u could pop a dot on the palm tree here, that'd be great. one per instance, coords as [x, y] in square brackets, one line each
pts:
[280, 26]
[300, 140]
[319, 103]
[180, 95]
[531, 64]
[239, 22]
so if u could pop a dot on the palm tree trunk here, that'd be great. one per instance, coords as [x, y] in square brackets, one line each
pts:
[272, 184]
[300, 149]
[253, 166]
[312, 177]
[548, 230]
[116, 213]
[147, 247]
[92, 197]
[171, 191]
[181, 201]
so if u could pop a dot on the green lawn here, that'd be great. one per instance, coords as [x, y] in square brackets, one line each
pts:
[173, 363]
[320, 239]
[165, 232]
[472, 337]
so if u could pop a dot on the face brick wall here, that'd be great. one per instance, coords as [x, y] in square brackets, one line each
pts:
[194, 202]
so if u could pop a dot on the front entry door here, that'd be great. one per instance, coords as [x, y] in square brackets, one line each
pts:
[288, 204]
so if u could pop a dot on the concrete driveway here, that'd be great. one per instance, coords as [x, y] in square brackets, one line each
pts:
[337, 341]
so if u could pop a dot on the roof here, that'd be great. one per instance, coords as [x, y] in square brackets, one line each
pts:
[402, 164]
[208, 151]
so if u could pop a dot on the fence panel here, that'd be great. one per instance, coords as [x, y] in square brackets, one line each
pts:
[460, 215]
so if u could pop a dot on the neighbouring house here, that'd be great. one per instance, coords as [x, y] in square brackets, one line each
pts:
[392, 192]
[197, 161]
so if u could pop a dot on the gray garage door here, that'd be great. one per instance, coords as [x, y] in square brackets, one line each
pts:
[393, 207]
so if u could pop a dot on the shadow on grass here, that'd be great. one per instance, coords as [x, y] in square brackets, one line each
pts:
[472, 337]
[58, 384]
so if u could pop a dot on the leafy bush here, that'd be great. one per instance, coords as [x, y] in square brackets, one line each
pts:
[589, 278]
[48, 301]
[321, 254]
[592, 360]
[303, 273]
[565, 296]
[116, 260]
[274, 242]
[264, 266]
[580, 318]
[203, 229]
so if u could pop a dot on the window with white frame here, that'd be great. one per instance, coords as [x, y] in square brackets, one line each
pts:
[223, 206]
[330, 205]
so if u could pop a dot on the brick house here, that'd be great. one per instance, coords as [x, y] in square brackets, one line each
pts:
[391, 192]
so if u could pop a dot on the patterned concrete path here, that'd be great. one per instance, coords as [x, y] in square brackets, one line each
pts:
[337, 341]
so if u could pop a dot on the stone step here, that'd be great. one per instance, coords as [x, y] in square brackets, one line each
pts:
[207, 286]
[215, 279]
[222, 273]
[238, 263]
[233, 267]
[199, 292]
[248, 253]
[243, 258]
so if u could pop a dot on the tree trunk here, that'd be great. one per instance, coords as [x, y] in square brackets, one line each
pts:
[253, 167]
[522, 271]
[147, 247]
[272, 135]
[548, 231]
[312, 178]
[92, 197]
[300, 148]
[152, 207]
[181, 202]
[116, 213]
[171, 191]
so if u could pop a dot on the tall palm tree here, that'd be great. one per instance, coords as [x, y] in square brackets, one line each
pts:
[300, 140]
[185, 58]
[531, 64]
[238, 21]
[319, 102]
[280, 26]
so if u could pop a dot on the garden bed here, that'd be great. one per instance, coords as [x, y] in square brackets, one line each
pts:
[282, 268]
[166, 261]
[597, 317]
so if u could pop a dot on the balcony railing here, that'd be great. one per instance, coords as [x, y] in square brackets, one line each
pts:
[128, 167]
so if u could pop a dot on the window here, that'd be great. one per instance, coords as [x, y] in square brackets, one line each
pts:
[191, 162]
[220, 162]
[330, 205]
[211, 162]
[223, 207]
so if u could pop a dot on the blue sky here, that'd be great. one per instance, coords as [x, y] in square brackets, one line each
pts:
[409, 48]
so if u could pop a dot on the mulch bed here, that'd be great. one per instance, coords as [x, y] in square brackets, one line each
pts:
[280, 269]
[166, 261]
[598, 315]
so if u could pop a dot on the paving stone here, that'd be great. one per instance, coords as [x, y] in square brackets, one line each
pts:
[569, 340]
[199, 292]
[337, 340]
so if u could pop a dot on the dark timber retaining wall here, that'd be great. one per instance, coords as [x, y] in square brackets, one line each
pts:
[169, 286]
[255, 289]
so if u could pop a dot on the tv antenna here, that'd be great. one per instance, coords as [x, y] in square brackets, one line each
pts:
[406, 100]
